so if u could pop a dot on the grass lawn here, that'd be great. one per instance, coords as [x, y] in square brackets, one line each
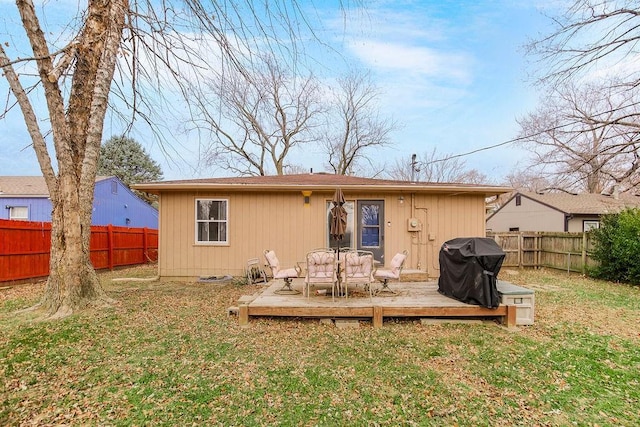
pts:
[168, 354]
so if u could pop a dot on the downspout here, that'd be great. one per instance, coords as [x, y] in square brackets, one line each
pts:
[567, 218]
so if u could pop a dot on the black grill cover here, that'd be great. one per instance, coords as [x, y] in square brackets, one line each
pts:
[468, 270]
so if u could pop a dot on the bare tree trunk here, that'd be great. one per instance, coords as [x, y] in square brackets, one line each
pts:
[73, 283]
[77, 134]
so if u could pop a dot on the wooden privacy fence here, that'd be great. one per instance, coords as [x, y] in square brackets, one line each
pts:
[563, 251]
[24, 248]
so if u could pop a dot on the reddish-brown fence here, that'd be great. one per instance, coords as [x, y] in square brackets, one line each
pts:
[24, 248]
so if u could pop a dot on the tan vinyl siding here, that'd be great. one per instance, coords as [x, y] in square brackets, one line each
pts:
[576, 224]
[280, 221]
[529, 216]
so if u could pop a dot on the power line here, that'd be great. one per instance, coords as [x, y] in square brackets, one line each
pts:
[490, 147]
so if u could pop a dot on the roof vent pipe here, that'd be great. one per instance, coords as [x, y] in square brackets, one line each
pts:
[413, 168]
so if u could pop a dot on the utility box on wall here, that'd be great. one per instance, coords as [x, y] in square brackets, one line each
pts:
[413, 224]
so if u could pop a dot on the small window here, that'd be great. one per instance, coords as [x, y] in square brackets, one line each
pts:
[19, 213]
[114, 187]
[518, 199]
[514, 228]
[588, 225]
[211, 221]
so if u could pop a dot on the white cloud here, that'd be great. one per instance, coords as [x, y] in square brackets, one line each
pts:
[415, 60]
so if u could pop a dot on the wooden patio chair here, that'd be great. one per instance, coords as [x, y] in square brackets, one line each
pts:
[358, 270]
[393, 273]
[286, 274]
[321, 270]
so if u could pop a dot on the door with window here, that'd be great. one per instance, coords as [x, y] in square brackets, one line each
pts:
[371, 227]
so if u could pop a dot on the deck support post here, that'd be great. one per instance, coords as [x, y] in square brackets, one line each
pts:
[377, 316]
[509, 320]
[243, 315]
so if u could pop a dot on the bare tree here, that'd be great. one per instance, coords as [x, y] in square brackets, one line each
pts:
[152, 42]
[589, 36]
[527, 180]
[355, 126]
[575, 142]
[594, 40]
[258, 115]
[436, 167]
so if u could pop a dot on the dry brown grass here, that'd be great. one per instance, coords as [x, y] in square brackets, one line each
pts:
[167, 353]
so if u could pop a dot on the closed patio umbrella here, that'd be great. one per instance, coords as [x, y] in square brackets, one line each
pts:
[338, 224]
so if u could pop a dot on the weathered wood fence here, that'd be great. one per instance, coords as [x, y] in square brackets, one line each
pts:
[24, 248]
[563, 251]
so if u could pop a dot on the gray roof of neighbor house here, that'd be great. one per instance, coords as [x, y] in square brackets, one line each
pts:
[23, 186]
[586, 203]
[27, 186]
[314, 181]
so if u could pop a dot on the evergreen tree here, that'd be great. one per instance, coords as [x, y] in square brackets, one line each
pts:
[127, 159]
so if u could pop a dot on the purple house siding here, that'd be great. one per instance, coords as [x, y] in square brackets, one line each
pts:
[113, 203]
[38, 208]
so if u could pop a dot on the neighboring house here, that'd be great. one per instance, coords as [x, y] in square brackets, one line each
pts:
[27, 198]
[214, 226]
[556, 211]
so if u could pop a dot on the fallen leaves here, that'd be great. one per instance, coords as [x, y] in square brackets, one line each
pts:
[169, 354]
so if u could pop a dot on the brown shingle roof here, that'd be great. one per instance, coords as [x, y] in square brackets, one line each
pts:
[27, 186]
[320, 181]
[23, 186]
[585, 203]
[297, 179]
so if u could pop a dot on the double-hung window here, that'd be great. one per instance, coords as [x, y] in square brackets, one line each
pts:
[211, 221]
[19, 213]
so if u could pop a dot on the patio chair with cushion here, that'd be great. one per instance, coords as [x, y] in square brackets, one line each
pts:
[358, 270]
[286, 274]
[321, 270]
[393, 273]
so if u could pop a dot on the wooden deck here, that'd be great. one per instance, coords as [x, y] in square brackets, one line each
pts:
[414, 299]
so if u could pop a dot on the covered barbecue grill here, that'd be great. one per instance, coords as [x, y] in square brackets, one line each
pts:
[468, 270]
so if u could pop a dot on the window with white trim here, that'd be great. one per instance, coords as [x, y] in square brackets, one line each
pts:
[588, 225]
[211, 220]
[19, 213]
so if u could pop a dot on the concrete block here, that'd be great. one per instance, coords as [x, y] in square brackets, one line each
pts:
[347, 323]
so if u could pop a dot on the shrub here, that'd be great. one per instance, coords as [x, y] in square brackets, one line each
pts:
[617, 247]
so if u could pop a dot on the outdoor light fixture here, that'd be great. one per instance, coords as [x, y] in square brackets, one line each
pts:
[401, 199]
[307, 197]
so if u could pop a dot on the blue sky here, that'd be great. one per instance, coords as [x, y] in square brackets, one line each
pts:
[452, 73]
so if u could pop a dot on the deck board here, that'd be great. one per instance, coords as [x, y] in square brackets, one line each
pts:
[414, 299]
